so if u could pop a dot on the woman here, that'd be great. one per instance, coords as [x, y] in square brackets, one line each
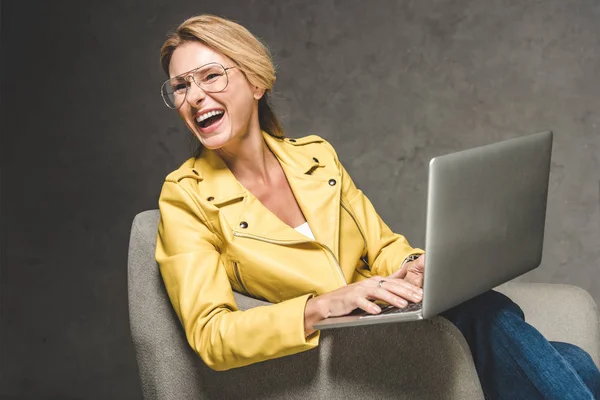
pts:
[280, 220]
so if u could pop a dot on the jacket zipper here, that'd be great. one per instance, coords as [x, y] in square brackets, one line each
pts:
[283, 242]
[239, 277]
[364, 258]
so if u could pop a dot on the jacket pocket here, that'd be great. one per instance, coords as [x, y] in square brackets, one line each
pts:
[238, 277]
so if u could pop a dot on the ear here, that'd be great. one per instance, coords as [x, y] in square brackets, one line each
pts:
[258, 93]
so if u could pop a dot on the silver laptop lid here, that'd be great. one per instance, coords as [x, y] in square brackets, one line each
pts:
[486, 211]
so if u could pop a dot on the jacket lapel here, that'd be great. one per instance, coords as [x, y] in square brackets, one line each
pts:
[309, 176]
[320, 204]
[318, 199]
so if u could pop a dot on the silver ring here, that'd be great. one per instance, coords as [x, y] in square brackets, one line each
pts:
[381, 283]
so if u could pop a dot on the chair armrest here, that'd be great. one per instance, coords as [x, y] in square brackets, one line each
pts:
[415, 360]
[427, 359]
[560, 312]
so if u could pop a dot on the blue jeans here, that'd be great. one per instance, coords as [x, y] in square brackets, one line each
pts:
[514, 361]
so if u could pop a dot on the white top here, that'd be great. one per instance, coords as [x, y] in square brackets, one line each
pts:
[305, 230]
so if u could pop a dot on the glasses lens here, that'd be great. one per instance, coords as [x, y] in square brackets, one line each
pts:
[173, 92]
[211, 78]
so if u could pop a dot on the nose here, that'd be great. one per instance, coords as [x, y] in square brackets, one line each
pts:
[195, 94]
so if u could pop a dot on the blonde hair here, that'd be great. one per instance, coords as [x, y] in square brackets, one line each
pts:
[237, 43]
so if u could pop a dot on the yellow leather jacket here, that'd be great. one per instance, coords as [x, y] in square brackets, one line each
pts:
[215, 236]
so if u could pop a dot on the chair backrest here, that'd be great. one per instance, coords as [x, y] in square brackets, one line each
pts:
[363, 362]
[166, 363]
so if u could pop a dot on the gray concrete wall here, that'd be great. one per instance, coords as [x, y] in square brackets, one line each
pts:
[86, 142]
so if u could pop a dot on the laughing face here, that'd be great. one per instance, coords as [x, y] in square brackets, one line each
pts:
[221, 119]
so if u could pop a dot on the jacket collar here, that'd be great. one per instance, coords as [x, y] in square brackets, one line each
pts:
[220, 184]
[226, 188]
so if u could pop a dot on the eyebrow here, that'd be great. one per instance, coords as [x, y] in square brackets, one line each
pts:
[185, 73]
[193, 69]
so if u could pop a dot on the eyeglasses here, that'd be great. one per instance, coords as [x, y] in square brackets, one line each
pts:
[211, 78]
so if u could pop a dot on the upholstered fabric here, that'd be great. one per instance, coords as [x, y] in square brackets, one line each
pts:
[419, 360]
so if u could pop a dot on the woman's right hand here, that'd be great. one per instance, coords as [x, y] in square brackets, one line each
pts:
[344, 300]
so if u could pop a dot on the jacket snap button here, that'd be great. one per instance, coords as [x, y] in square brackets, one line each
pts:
[332, 182]
[293, 140]
[315, 159]
[210, 198]
[243, 224]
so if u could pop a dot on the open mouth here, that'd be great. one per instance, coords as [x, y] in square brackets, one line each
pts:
[210, 118]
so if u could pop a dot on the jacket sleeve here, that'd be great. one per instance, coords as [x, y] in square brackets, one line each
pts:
[199, 289]
[386, 250]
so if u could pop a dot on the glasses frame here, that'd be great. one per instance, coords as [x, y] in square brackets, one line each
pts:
[191, 74]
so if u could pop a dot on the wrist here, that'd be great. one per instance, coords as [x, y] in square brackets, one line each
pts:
[314, 312]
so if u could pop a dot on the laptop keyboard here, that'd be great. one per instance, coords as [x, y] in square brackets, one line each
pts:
[387, 310]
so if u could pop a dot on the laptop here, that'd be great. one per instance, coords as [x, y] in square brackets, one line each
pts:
[486, 212]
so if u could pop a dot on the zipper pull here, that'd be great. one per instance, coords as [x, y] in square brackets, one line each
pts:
[366, 261]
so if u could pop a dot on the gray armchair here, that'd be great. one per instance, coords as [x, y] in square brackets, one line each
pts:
[420, 360]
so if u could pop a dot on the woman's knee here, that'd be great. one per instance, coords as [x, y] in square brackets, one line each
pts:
[497, 302]
[490, 305]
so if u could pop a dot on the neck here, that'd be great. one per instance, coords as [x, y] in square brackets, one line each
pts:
[249, 158]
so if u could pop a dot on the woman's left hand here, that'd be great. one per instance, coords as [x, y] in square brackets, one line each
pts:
[412, 272]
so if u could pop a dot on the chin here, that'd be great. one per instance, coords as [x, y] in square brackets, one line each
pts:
[215, 140]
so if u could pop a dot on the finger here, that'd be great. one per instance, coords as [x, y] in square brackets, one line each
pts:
[414, 275]
[418, 280]
[419, 264]
[387, 296]
[396, 292]
[404, 290]
[404, 284]
[399, 274]
[367, 306]
[414, 279]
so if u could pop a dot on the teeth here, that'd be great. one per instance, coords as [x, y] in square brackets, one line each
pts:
[209, 114]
